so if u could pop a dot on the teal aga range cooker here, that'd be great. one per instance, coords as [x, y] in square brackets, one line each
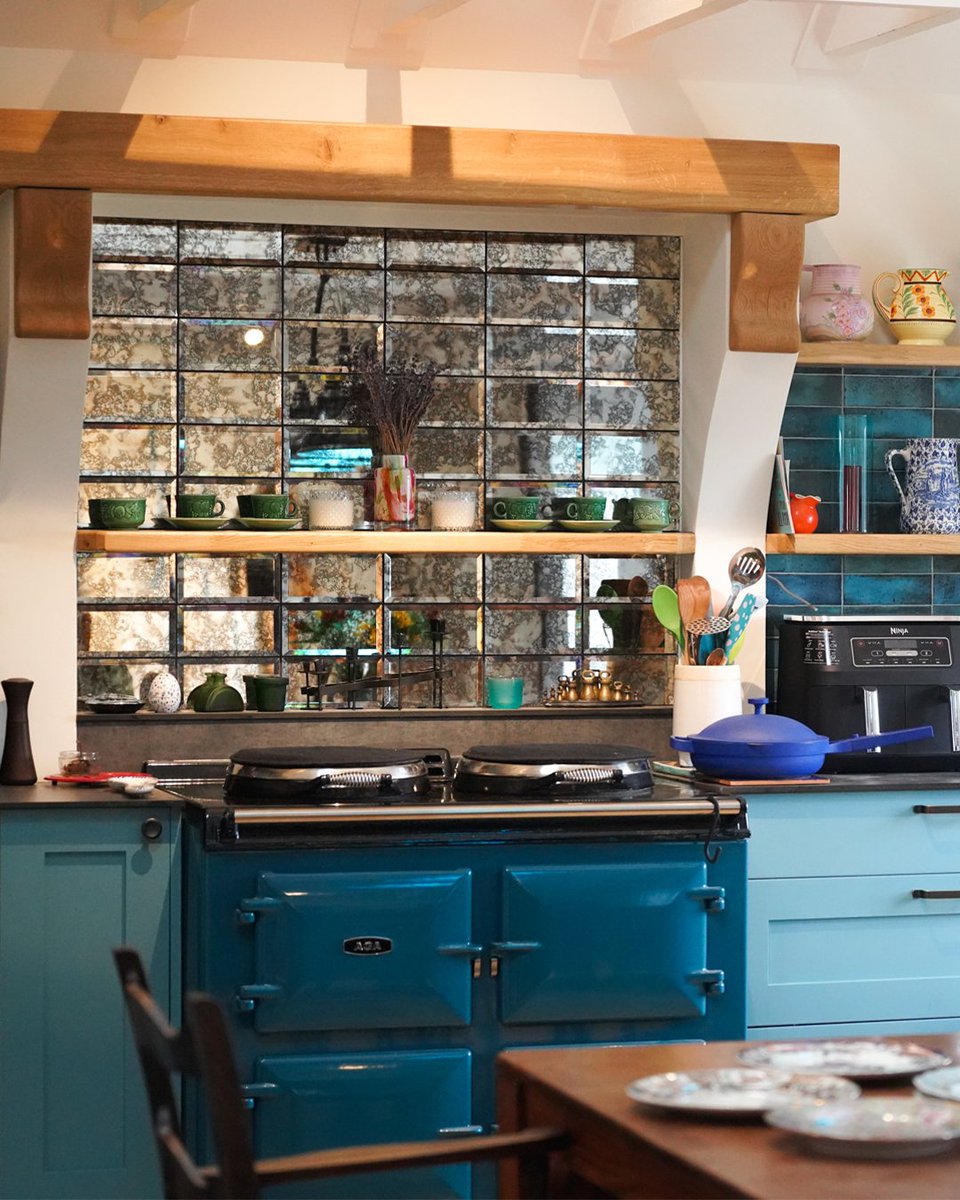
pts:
[374, 954]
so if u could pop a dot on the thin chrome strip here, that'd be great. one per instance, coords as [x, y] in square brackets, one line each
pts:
[248, 815]
[870, 619]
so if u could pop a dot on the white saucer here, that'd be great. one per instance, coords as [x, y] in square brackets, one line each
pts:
[589, 526]
[194, 522]
[521, 526]
[267, 523]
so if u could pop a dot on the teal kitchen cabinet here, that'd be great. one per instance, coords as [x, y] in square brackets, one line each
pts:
[853, 913]
[74, 882]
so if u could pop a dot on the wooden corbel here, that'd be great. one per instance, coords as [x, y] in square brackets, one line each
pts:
[766, 254]
[52, 233]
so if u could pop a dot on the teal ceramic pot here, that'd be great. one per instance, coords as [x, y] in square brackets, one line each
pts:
[271, 692]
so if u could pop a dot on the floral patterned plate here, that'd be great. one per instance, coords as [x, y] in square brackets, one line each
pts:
[854, 1059]
[872, 1127]
[736, 1091]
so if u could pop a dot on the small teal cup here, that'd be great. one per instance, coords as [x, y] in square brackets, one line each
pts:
[505, 693]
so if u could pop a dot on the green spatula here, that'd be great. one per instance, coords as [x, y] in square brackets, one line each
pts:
[666, 608]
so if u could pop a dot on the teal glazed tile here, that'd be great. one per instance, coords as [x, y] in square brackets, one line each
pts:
[886, 564]
[811, 453]
[946, 423]
[820, 389]
[816, 589]
[886, 591]
[944, 563]
[946, 588]
[813, 564]
[888, 372]
[946, 390]
[903, 610]
[804, 422]
[902, 423]
[885, 518]
[824, 484]
[888, 391]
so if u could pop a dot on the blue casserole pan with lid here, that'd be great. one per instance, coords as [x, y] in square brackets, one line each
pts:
[764, 746]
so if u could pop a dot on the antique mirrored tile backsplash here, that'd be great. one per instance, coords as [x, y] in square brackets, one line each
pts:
[220, 363]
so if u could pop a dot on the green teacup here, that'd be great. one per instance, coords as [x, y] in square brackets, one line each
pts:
[119, 512]
[265, 506]
[648, 513]
[193, 505]
[581, 508]
[516, 508]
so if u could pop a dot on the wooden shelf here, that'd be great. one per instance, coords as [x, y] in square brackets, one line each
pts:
[169, 541]
[870, 354]
[863, 543]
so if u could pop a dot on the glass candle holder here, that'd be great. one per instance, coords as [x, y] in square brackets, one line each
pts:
[852, 448]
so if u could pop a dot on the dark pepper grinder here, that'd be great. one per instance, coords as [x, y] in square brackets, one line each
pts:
[16, 766]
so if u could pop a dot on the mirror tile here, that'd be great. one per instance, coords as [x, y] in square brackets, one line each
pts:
[224, 291]
[114, 631]
[427, 248]
[634, 303]
[341, 577]
[226, 577]
[333, 293]
[134, 241]
[644, 354]
[144, 343]
[542, 300]
[535, 252]
[534, 350]
[233, 242]
[532, 577]
[625, 456]
[219, 345]
[615, 404]
[132, 577]
[229, 397]
[134, 289]
[649, 256]
[456, 349]
[537, 453]
[333, 245]
[410, 628]
[328, 629]
[131, 396]
[552, 402]
[440, 296]
[227, 630]
[127, 450]
[432, 577]
[225, 451]
[537, 629]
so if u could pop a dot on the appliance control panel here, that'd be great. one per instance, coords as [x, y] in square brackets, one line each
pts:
[820, 647]
[900, 652]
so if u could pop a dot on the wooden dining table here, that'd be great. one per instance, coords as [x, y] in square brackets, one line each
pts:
[621, 1148]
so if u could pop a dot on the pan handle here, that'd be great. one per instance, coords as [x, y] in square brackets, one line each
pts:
[867, 741]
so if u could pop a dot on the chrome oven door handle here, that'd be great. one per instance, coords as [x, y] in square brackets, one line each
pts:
[871, 715]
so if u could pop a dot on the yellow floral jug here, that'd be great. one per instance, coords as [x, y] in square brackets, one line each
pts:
[920, 313]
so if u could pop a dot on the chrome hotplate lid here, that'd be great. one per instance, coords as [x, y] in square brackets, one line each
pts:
[331, 773]
[539, 767]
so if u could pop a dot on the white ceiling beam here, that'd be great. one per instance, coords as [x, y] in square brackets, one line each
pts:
[161, 32]
[645, 18]
[393, 32]
[152, 11]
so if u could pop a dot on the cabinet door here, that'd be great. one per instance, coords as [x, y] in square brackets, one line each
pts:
[610, 942]
[861, 948]
[74, 883]
[362, 950]
[312, 1102]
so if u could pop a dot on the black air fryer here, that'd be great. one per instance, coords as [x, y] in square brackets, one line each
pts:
[847, 675]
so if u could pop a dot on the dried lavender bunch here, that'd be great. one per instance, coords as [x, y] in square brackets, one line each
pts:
[394, 397]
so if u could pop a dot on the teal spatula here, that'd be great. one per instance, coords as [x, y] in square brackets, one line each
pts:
[738, 624]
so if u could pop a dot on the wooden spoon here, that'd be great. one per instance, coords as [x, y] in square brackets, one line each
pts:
[716, 658]
[688, 602]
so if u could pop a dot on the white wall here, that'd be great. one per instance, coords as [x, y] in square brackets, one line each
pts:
[898, 181]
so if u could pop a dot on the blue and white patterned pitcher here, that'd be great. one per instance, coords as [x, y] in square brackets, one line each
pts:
[931, 501]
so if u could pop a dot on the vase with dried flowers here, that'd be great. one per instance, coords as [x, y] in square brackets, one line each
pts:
[392, 401]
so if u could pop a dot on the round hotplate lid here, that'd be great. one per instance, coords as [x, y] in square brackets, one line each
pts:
[542, 754]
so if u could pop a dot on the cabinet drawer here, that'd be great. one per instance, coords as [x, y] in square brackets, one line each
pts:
[853, 949]
[317, 1101]
[856, 833]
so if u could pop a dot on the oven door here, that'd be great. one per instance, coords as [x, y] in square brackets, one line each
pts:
[361, 950]
[595, 943]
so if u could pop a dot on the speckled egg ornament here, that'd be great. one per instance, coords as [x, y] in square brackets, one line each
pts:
[163, 694]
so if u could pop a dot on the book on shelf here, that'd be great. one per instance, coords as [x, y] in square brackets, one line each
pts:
[779, 517]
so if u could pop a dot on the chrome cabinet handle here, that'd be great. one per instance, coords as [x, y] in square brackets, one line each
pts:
[923, 894]
[936, 808]
[151, 829]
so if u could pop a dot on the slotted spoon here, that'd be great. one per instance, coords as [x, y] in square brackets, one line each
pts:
[746, 568]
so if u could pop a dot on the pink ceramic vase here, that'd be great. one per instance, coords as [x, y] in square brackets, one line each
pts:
[395, 493]
[834, 310]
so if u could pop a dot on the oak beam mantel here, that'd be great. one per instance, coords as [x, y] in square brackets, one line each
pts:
[202, 156]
